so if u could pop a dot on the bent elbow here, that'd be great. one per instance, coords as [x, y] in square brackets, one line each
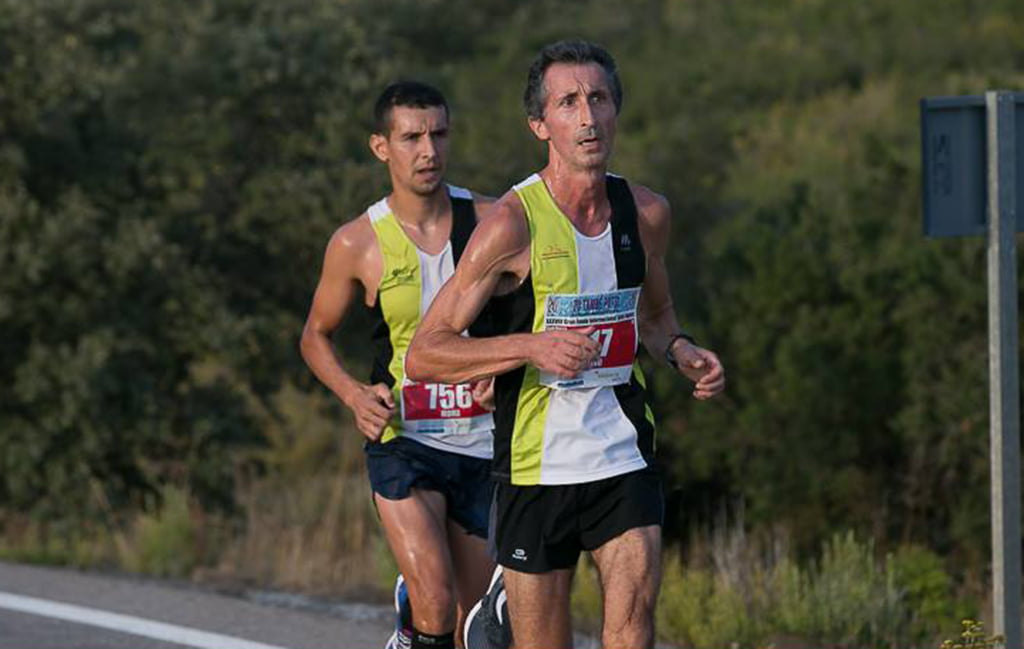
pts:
[310, 343]
[305, 344]
[415, 370]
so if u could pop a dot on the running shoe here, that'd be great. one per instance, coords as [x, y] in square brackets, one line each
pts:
[487, 625]
[402, 636]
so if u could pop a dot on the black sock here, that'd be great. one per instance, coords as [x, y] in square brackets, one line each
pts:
[422, 640]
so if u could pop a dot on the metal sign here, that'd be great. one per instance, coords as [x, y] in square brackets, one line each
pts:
[970, 148]
[953, 162]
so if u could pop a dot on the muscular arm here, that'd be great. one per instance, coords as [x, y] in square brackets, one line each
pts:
[498, 252]
[657, 318]
[348, 263]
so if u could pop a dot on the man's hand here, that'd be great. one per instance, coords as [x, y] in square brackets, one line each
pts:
[483, 393]
[700, 366]
[564, 353]
[372, 406]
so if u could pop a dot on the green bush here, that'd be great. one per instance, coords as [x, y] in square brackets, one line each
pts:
[164, 541]
[701, 609]
[926, 588]
[846, 598]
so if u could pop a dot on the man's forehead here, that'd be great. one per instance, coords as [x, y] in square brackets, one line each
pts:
[415, 119]
[562, 78]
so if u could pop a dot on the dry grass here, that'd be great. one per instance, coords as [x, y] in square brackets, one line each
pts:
[318, 535]
[308, 523]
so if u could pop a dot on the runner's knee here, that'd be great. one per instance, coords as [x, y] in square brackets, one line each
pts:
[433, 607]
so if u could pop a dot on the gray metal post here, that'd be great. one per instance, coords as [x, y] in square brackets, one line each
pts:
[1004, 409]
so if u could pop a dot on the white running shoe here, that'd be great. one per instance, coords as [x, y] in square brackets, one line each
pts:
[401, 638]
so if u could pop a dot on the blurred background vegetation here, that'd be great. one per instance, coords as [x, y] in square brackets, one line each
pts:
[170, 173]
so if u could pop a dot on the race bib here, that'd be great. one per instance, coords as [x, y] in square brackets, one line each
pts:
[443, 408]
[614, 316]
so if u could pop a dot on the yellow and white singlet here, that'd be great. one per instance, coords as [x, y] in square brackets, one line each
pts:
[598, 425]
[438, 415]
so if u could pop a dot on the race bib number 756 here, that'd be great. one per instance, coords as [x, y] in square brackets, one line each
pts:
[439, 401]
[443, 409]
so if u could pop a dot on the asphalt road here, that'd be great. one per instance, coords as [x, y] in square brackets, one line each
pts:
[56, 608]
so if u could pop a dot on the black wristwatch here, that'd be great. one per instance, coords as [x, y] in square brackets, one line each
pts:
[669, 357]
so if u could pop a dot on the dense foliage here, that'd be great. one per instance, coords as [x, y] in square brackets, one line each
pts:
[170, 172]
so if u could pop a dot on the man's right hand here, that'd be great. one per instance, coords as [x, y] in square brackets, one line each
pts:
[372, 406]
[564, 353]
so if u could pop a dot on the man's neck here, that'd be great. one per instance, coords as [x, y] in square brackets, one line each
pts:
[581, 194]
[417, 210]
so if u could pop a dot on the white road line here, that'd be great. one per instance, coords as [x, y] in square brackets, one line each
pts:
[128, 624]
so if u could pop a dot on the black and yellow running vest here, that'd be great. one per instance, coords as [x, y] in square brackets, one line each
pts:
[567, 436]
[438, 415]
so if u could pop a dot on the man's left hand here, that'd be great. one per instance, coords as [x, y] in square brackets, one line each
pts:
[700, 366]
[483, 393]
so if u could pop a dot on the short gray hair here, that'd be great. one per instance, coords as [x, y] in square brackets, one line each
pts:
[573, 51]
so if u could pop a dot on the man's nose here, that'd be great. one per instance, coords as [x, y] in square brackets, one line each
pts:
[586, 113]
[428, 148]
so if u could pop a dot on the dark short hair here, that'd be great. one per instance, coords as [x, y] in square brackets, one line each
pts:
[574, 51]
[411, 94]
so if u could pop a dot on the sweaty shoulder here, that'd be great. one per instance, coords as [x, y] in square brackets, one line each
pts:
[353, 251]
[502, 237]
[353, 237]
[655, 217]
[652, 206]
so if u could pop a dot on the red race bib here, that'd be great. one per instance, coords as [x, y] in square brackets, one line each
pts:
[613, 317]
[439, 402]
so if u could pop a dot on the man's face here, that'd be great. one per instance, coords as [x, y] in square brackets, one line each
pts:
[579, 114]
[416, 148]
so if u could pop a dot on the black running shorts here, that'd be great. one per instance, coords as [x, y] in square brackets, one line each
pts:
[545, 527]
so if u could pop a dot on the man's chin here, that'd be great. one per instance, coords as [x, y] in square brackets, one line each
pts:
[596, 161]
[590, 160]
[427, 188]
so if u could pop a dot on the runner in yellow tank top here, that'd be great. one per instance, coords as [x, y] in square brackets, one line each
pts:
[428, 446]
[561, 488]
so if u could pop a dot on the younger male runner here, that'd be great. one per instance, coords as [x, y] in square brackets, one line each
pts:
[428, 445]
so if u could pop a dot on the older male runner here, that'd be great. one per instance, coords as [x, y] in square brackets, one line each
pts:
[428, 445]
[572, 262]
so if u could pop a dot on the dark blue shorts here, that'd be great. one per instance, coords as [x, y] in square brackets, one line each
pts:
[464, 481]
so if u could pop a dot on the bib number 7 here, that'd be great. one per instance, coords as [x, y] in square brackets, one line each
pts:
[618, 344]
[604, 337]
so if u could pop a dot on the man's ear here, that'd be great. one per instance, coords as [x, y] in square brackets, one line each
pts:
[379, 147]
[540, 130]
